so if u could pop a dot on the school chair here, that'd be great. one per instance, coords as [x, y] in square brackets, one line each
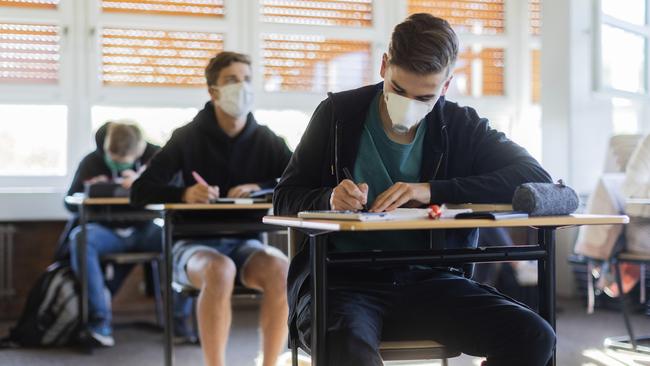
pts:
[393, 350]
[153, 259]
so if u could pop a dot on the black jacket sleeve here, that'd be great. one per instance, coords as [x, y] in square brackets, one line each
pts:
[90, 166]
[282, 154]
[153, 186]
[301, 187]
[498, 166]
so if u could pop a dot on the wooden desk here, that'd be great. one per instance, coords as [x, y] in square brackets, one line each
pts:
[105, 209]
[204, 220]
[544, 253]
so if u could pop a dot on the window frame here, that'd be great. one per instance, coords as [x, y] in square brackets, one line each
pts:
[600, 19]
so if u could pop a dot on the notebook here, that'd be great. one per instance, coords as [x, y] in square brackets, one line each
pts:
[240, 201]
[397, 214]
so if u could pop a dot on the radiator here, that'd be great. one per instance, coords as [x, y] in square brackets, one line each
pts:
[6, 259]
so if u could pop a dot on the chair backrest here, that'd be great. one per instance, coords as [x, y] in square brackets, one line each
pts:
[619, 151]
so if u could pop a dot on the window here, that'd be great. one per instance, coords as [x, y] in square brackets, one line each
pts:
[209, 8]
[288, 124]
[354, 13]
[156, 124]
[156, 57]
[33, 140]
[314, 63]
[43, 4]
[623, 40]
[466, 16]
[479, 71]
[30, 53]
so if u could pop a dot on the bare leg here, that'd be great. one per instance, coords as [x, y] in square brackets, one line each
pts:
[214, 274]
[267, 271]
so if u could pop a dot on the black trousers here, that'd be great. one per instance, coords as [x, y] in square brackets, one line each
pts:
[366, 306]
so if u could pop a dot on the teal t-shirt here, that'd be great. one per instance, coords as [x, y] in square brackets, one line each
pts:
[382, 162]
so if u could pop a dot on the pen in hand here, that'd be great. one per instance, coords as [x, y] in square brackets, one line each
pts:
[347, 174]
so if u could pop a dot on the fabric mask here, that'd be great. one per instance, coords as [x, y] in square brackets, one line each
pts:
[235, 99]
[405, 112]
[114, 166]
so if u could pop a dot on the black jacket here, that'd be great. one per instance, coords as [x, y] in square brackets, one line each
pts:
[256, 155]
[463, 159]
[93, 164]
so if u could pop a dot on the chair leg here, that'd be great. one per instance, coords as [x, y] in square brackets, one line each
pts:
[294, 354]
[591, 296]
[445, 362]
[642, 294]
[157, 292]
[621, 296]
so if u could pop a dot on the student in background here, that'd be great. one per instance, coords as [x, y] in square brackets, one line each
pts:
[224, 152]
[408, 147]
[121, 155]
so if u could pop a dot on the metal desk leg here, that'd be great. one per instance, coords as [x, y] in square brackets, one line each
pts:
[318, 254]
[546, 280]
[82, 250]
[167, 280]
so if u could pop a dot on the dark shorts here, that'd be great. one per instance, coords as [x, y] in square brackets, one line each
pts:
[239, 250]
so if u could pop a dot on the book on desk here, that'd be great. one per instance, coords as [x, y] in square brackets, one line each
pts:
[409, 214]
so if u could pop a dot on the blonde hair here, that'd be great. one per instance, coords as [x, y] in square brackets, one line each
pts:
[123, 138]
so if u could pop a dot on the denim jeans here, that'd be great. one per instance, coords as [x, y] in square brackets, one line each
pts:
[102, 240]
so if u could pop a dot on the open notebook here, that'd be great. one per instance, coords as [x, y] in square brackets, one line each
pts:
[397, 214]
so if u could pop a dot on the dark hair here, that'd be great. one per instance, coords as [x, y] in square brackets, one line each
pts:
[122, 139]
[423, 44]
[220, 62]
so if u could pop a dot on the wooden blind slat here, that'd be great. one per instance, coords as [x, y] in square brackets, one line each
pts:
[536, 71]
[492, 71]
[35, 4]
[313, 63]
[535, 16]
[29, 53]
[201, 8]
[466, 16]
[155, 57]
[318, 12]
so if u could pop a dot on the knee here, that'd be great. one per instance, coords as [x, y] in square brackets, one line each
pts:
[353, 347]
[218, 272]
[538, 339]
[268, 271]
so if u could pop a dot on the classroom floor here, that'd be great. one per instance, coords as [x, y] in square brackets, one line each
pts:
[580, 343]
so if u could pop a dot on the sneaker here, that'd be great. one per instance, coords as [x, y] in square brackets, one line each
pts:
[183, 334]
[102, 335]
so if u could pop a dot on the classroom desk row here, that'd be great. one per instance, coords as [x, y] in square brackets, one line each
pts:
[205, 220]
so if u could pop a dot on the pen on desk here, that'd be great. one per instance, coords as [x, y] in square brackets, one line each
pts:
[199, 179]
[347, 174]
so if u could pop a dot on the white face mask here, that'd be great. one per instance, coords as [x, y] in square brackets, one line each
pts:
[235, 99]
[406, 112]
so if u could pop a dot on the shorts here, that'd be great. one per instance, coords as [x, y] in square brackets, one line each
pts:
[239, 250]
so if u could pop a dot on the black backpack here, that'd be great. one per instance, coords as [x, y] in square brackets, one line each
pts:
[51, 314]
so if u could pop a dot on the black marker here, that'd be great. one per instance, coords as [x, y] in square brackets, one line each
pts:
[347, 174]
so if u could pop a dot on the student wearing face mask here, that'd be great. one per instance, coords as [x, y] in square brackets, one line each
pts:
[233, 157]
[121, 155]
[406, 146]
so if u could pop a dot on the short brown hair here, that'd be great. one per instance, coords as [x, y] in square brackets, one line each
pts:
[220, 62]
[123, 139]
[423, 44]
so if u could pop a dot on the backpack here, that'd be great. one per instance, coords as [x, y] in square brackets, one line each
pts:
[51, 313]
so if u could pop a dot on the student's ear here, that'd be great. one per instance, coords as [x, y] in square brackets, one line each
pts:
[446, 86]
[384, 65]
[214, 92]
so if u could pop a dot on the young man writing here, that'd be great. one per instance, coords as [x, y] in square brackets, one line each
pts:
[410, 148]
[121, 155]
[224, 152]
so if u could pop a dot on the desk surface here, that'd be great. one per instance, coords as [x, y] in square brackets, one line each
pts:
[424, 224]
[79, 200]
[638, 201]
[208, 206]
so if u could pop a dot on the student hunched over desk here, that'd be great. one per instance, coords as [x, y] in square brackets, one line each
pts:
[410, 148]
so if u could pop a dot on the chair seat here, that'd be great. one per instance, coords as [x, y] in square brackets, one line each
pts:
[129, 258]
[633, 257]
[415, 350]
[194, 292]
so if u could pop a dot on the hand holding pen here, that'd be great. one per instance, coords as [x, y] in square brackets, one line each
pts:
[348, 195]
[201, 192]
